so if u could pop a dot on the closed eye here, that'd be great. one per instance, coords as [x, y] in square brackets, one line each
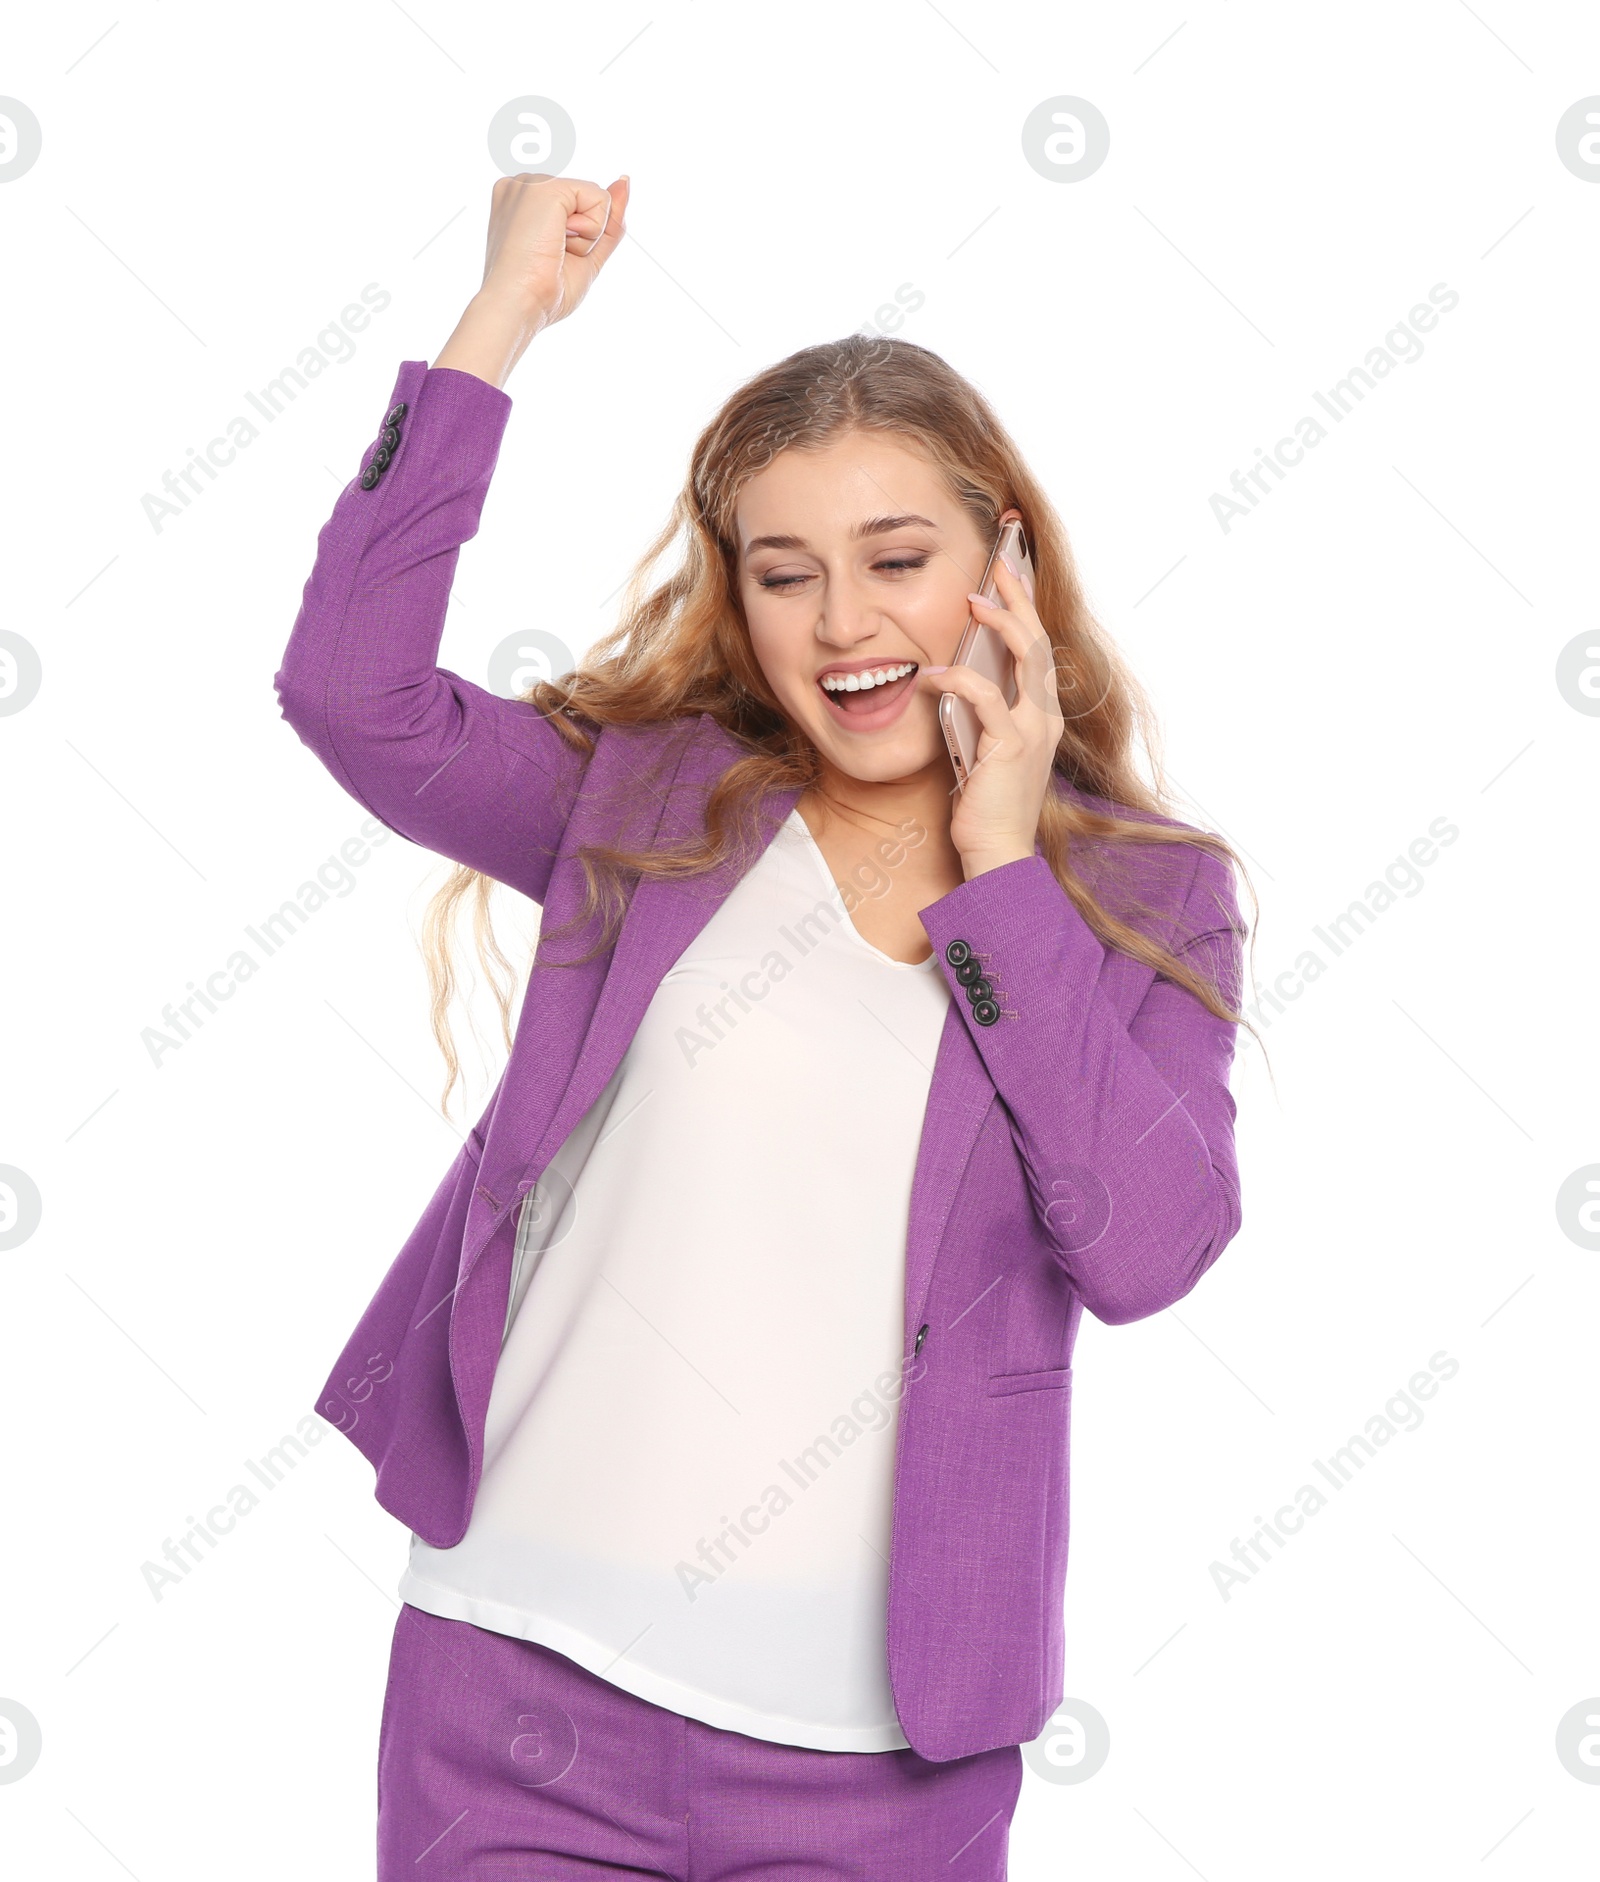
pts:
[887, 565]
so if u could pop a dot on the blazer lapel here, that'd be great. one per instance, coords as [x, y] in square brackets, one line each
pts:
[664, 915]
[959, 1100]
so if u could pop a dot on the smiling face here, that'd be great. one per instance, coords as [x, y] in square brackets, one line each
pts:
[855, 565]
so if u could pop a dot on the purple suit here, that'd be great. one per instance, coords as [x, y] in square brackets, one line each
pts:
[1077, 1152]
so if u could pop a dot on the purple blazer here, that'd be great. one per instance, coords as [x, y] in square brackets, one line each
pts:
[1077, 1152]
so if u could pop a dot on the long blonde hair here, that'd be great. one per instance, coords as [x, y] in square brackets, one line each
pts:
[681, 648]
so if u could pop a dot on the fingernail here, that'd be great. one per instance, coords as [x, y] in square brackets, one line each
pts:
[1010, 564]
[936, 669]
[983, 601]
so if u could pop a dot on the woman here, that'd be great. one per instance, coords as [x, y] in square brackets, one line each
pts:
[725, 1383]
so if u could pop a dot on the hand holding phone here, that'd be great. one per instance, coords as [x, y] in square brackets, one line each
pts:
[982, 649]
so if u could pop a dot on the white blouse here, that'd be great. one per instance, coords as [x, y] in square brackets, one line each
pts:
[689, 1451]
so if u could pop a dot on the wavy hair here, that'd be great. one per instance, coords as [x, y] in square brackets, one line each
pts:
[681, 648]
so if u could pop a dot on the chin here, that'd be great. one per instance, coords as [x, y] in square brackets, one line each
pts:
[881, 761]
[899, 750]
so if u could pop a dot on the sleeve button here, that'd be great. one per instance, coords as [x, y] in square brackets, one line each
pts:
[958, 953]
[395, 413]
[370, 476]
[390, 436]
[980, 990]
[380, 458]
[985, 1012]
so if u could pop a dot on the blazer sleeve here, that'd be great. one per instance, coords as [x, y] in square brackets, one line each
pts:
[1126, 1130]
[445, 763]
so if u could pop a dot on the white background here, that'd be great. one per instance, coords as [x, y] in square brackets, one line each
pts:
[1374, 647]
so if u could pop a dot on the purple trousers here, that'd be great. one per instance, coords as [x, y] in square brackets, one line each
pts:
[499, 1759]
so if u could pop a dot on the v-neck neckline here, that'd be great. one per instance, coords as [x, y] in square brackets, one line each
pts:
[798, 823]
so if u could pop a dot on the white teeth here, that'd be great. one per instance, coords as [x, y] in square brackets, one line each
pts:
[863, 682]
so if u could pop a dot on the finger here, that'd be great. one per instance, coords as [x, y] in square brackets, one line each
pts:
[588, 208]
[614, 228]
[1050, 676]
[1028, 644]
[984, 697]
[1014, 593]
[1004, 568]
[584, 230]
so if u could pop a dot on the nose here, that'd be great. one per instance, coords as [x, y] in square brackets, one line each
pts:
[849, 614]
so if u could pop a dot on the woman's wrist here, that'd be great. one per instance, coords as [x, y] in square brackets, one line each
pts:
[489, 339]
[980, 862]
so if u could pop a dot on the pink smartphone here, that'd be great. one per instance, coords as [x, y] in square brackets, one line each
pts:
[982, 649]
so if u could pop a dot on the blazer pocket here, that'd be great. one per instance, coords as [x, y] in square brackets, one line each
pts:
[1001, 1383]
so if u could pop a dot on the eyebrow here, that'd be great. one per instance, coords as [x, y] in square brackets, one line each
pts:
[873, 526]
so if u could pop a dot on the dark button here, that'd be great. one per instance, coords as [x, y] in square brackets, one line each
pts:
[395, 413]
[985, 1012]
[922, 1334]
[967, 972]
[389, 436]
[958, 953]
[381, 457]
[370, 476]
[980, 990]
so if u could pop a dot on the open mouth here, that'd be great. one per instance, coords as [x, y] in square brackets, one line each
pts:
[870, 694]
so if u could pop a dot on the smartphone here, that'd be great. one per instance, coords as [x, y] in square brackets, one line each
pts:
[982, 649]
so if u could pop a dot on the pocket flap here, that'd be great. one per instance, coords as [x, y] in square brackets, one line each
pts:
[1001, 1383]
